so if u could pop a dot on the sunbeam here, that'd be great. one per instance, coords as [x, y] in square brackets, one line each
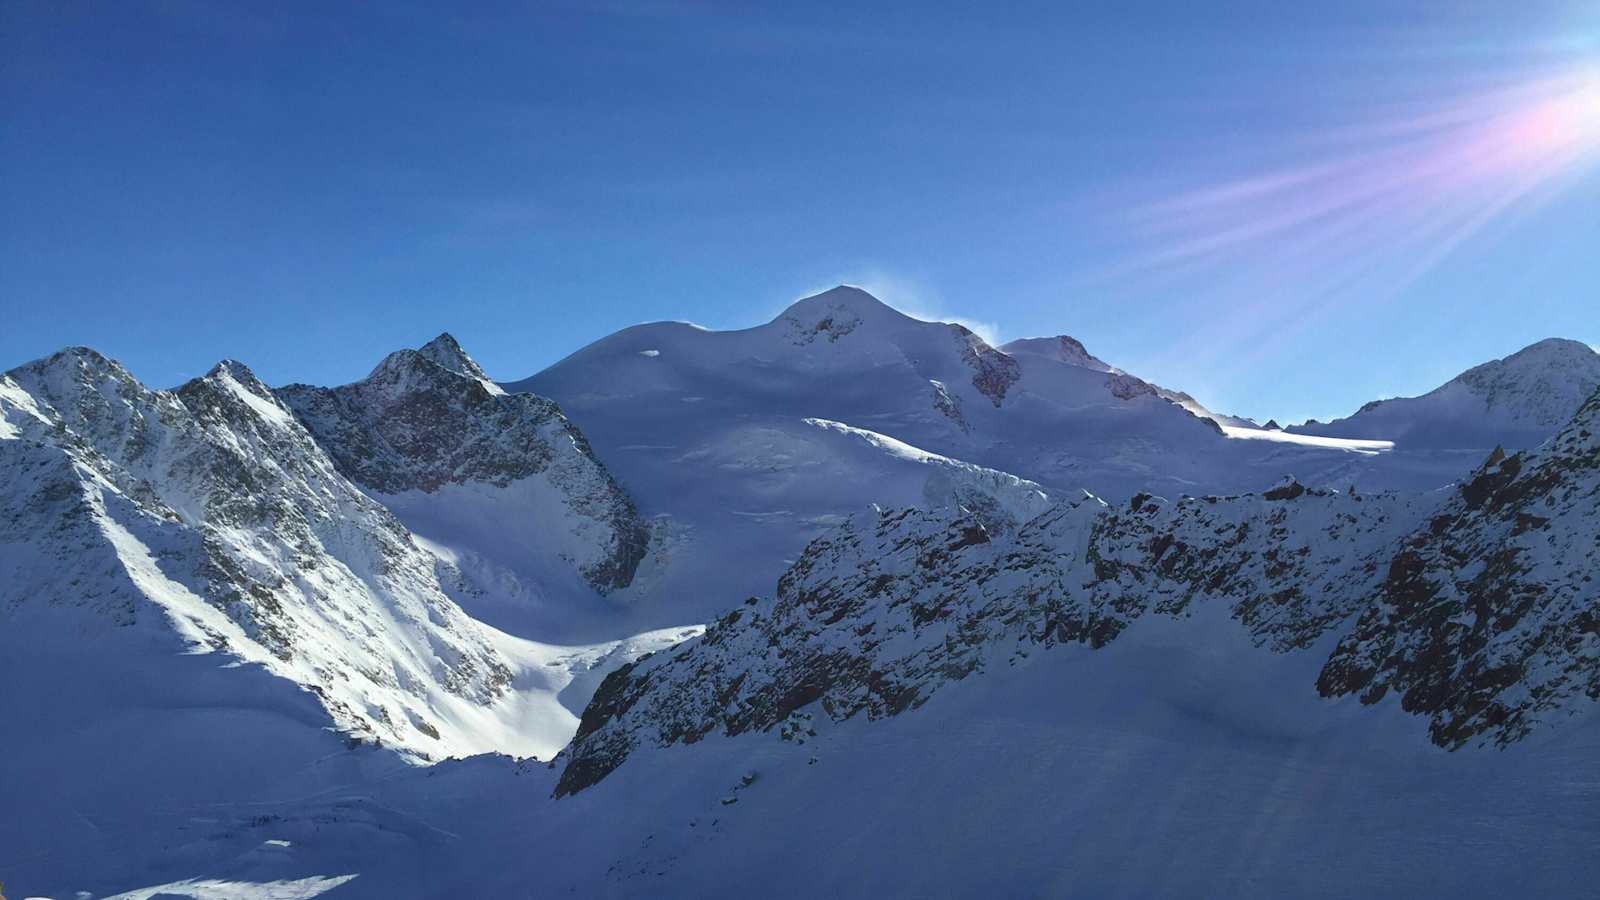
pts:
[1360, 224]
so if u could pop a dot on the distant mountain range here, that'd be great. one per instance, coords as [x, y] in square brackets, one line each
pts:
[233, 616]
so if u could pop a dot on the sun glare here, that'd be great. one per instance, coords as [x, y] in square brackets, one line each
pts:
[1588, 100]
[1575, 114]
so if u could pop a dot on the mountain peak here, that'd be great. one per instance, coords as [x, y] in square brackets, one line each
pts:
[230, 390]
[232, 374]
[846, 299]
[78, 358]
[430, 361]
[1062, 348]
[1518, 401]
[1557, 343]
[447, 352]
[73, 376]
[232, 368]
[1550, 352]
[1543, 382]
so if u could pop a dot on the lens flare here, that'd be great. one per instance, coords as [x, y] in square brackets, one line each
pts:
[1567, 122]
[1388, 200]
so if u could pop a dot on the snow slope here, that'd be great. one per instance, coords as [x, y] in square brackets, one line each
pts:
[1170, 764]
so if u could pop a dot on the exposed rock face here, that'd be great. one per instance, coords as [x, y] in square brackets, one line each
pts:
[1488, 619]
[1479, 605]
[949, 405]
[831, 326]
[1061, 348]
[429, 418]
[447, 353]
[1126, 387]
[993, 372]
[879, 614]
[213, 509]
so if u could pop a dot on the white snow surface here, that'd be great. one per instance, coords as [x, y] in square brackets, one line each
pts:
[1170, 764]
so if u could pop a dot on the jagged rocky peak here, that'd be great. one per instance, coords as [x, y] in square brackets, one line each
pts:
[211, 505]
[83, 399]
[231, 389]
[74, 359]
[423, 421]
[445, 351]
[439, 365]
[1061, 348]
[68, 374]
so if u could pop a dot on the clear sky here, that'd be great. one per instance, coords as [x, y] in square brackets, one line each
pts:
[1286, 209]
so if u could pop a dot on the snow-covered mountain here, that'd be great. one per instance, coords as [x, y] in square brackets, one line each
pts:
[210, 591]
[1516, 402]
[844, 356]
[501, 485]
[211, 507]
[716, 429]
[197, 603]
[1152, 698]
[1477, 605]
[1070, 351]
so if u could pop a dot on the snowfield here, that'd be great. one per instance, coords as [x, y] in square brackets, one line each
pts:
[1366, 447]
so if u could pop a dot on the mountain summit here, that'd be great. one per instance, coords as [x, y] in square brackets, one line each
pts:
[446, 352]
[845, 302]
[1515, 402]
[1062, 348]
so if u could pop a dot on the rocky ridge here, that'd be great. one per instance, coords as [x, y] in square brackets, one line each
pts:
[1477, 604]
[209, 509]
[429, 418]
[1488, 619]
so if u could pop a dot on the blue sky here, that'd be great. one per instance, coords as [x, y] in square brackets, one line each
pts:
[1284, 209]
